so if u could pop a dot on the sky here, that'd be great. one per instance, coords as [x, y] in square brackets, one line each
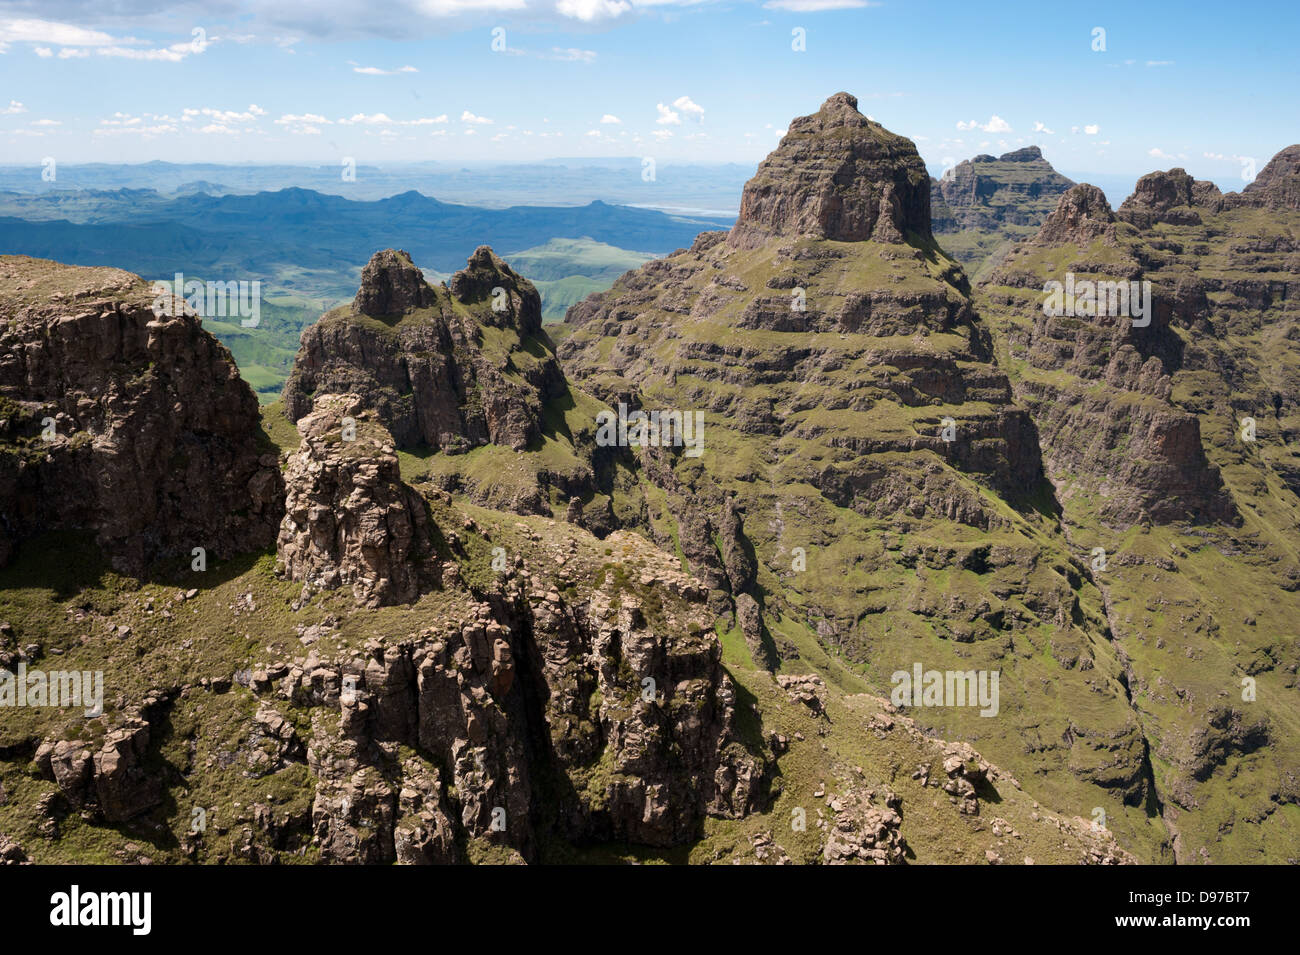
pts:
[1115, 88]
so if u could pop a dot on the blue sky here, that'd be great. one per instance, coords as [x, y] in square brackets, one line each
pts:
[1201, 85]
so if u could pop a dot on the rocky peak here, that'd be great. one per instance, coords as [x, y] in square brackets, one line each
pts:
[836, 175]
[349, 518]
[391, 285]
[1027, 154]
[1083, 214]
[427, 376]
[1157, 194]
[994, 199]
[1278, 184]
[487, 272]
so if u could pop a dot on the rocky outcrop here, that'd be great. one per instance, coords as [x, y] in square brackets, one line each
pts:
[1169, 197]
[602, 717]
[836, 175]
[1277, 186]
[123, 422]
[423, 359]
[1082, 215]
[391, 285]
[1109, 423]
[110, 779]
[349, 518]
[862, 833]
[1019, 188]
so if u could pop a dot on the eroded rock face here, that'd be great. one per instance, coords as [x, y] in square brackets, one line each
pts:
[1278, 184]
[1083, 214]
[153, 435]
[1017, 188]
[1169, 197]
[836, 175]
[1114, 430]
[418, 356]
[111, 779]
[604, 718]
[391, 285]
[349, 518]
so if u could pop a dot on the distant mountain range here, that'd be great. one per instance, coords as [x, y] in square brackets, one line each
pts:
[679, 187]
[263, 235]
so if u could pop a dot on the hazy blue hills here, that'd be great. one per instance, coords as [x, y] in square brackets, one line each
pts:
[307, 241]
[676, 186]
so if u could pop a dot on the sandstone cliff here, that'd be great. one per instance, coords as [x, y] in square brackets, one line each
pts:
[429, 360]
[983, 204]
[131, 425]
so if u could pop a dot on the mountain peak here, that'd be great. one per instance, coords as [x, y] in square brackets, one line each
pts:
[836, 175]
[486, 276]
[1028, 154]
[1157, 194]
[1083, 214]
[1278, 183]
[391, 285]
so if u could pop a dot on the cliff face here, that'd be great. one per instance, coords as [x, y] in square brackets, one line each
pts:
[983, 204]
[445, 368]
[1099, 385]
[152, 442]
[836, 175]
[1018, 188]
[464, 377]
[1171, 447]
[349, 518]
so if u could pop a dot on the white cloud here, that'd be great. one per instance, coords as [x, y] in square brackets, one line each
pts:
[172, 54]
[816, 6]
[589, 10]
[303, 124]
[666, 116]
[1091, 130]
[362, 119]
[289, 119]
[689, 108]
[468, 117]
[13, 108]
[223, 116]
[376, 71]
[609, 119]
[46, 122]
[50, 32]
[452, 8]
[996, 124]
[571, 54]
[1160, 62]
[1042, 128]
